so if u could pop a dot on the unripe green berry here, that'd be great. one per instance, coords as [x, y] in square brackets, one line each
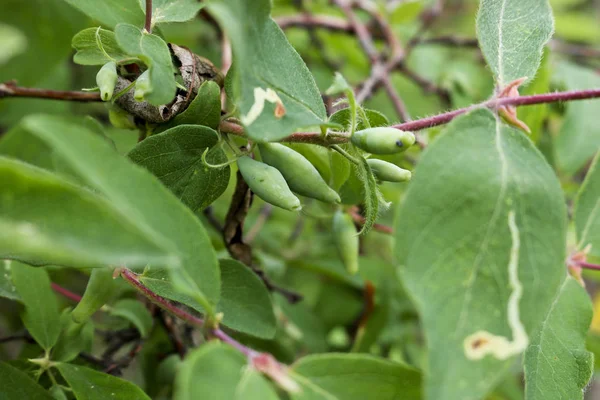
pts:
[142, 86]
[385, 171]
[106, 79]
[301, 176]
[268, 184]
[346, 240]
[383, 140]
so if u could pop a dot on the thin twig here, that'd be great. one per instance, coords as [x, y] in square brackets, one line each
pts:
[359, 219]
[65, 292]
[10, 89]
[148, 24]
[436, 120]
[13, 338]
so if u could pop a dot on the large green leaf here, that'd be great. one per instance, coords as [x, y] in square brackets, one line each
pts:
[41, 316]
[211, 372]
[172, 10]
[557, 365]
[88, 384]
[96, 46]
[587, 210]
[175, 157]
[480, 238]
[42, 59]
[512, 35]
[7, 287]
[56, 142]
[266, 70]
[354, 377]
[156, 55]
[579, 136]
[37, 227]
[245, 301]
[111, 12]
[16, 384]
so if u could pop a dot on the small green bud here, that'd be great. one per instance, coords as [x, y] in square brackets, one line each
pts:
[106, 79]
[346, 240]
[383, 140]
[268, 184]
[385, 171]
[142, 86]
[301, 176]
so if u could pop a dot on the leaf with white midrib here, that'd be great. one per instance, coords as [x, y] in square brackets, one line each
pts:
[512, 34]
[488, 254]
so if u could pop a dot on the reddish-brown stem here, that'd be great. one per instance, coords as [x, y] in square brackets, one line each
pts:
[148, 24]
[10, 89]
[132, 279]
[65, 292]
[493, 104]
[359, 219]
[587, 265]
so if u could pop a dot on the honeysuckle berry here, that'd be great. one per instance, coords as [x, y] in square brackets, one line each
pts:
[268, 184]
[385, 171]
[345, 238]
[301, 176]
[383, 140]
[106, 79]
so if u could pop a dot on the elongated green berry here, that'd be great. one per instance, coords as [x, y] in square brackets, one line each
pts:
[268, 184]
[383, 140]
[301, 176]
[385, 171]
[346, 240]
[106, 79]
[142, 86]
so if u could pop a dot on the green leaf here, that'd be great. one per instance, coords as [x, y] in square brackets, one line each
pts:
[205, 109]
[134, 312]
[172, 10]
[37, 228]
[96, 46]
[512, 35]
[245, 301]
[354, 377]
[587, 210]
[7, 287]
[579, 136]
[74, 338]
[211, 372]
[18, 385]
[175, 157]
[253, 386]
[482, 223]
[266, 70]
[43, 59]
[156, 55]
[88, 384]
[101, 288]
[130, 189]
[557, 365]
[111, 12]
[41, 317]
[12, 41]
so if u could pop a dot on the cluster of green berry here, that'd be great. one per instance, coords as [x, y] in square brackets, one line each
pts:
[283, 172]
